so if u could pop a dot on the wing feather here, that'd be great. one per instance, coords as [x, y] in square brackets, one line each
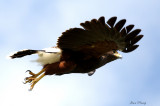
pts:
[136, 39]
[112, 21]
[97, 37]
[120, 24]
[129, 28]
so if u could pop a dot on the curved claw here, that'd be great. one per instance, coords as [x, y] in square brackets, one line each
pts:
[33, 79]
[33, 82]
[28, 79]
[30, 72]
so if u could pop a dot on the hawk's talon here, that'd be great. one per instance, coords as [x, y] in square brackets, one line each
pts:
[29, 79]
[33, 79]
[31, 73]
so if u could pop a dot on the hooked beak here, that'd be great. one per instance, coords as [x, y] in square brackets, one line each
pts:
[118, 55]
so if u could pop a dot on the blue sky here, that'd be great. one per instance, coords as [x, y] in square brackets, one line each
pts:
[28, 24]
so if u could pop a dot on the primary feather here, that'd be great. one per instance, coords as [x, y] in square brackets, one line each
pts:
[97, 37]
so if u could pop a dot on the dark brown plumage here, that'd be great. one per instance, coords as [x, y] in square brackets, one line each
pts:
[83, 50]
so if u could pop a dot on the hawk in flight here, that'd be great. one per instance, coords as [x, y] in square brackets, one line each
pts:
[83, 50]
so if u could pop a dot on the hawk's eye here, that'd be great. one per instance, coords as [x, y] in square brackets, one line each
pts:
[114, 51]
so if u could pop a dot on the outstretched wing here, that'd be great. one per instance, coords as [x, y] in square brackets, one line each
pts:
[97, 37]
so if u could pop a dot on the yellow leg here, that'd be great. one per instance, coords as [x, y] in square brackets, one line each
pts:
[33, 82]
[35, 75]
[33, 79]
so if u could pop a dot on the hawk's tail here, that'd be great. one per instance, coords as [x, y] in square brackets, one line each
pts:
[22, 53]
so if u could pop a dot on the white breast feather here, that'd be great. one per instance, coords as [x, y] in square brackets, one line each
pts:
[49, 56]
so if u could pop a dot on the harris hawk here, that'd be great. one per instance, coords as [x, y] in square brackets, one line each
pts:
[83, 50]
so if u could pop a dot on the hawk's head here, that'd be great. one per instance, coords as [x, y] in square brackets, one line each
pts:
[115, 54]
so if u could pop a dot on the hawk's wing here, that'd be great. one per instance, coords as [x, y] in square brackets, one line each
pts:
[97, 37]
